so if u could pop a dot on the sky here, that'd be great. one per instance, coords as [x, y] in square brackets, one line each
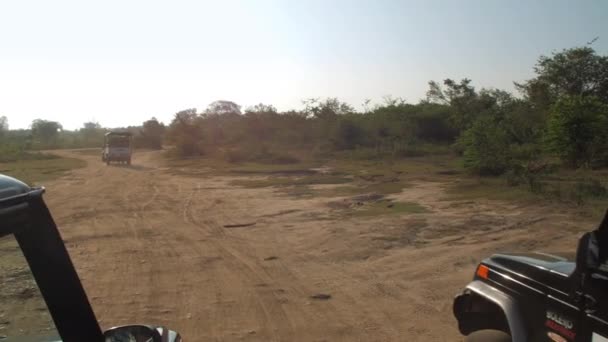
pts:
[120, 63]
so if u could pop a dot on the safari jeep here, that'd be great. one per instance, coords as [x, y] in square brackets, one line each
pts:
[117, 147]
[539, 297]
[41, 296]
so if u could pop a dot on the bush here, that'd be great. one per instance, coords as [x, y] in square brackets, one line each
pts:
[523, 174]
[348, 134]
[591, 188]
[578, 192]
[486, 148]
[577, 131]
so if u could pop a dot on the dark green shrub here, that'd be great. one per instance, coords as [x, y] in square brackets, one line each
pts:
[577, 131]
[486, 148]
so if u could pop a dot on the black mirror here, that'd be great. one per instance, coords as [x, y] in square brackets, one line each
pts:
[132, 333]
[587, 253]
[593, 248]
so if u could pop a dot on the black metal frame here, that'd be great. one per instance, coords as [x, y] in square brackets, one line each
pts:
[115, 133]
[27, 217]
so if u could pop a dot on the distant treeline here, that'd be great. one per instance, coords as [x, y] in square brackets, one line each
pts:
[45, 135]
[560, 117]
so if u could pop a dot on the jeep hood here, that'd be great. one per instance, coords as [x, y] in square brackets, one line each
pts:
[535, 262]
[536, 269]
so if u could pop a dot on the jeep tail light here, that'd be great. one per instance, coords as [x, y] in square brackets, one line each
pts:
[482, 271]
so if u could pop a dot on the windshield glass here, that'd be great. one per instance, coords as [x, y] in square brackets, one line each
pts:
[118, 142]
[23, 311]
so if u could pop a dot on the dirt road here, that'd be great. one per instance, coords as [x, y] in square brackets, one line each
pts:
[153, 247]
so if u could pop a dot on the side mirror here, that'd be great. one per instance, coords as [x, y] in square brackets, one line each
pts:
[593, 248]
[132, 333]
[588, 253]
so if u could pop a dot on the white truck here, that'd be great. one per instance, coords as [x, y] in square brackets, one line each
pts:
[117, 147]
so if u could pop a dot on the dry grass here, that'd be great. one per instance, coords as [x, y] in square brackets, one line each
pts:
[35, 171]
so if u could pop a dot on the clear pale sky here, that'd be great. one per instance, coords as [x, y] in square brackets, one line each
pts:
[122, 62]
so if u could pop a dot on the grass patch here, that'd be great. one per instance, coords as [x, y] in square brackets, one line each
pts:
[384, 188]
[88, 151]
[35, 171]
[418, 168]
[365, 176]
[12, 153]
[292, 181]
[385, 207]
[290, 169]
[259, 155]
[388, 175]
[588, 194]
[358, 188]
[300, 191]
[490, 188]
[216, 166]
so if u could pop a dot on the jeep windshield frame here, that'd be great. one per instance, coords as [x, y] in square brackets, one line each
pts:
[26, 216]
[118, 139]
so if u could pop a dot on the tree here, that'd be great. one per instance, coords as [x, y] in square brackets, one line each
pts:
[577, 131]
[571, 72]
[486, 147]
[223, 107]
[46, 132]
[349, 133]
[3, 126]
[260, 122]
[465, 103]
[151, 134]
[91, 126]
[431, 123]
[185, 133]
[3, 123]
[327, 109]
[91, 134]
[261, 108]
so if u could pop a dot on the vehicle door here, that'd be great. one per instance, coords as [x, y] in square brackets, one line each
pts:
[562, 318]
[595, 306]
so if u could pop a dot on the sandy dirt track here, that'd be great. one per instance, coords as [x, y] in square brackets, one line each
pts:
[151, 246]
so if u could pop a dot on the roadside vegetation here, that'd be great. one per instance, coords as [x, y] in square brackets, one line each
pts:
[35, 171]
[546, 141]
[24, 153]
[50, 135]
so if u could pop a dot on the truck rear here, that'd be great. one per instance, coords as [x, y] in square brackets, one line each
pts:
[117, 147]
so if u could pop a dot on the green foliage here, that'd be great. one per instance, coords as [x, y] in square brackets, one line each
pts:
[577, 131]
[465, 103]
[3, 124]
[186, 134]
[575, 72]
[349, 133]
[45, 133]
[562, 116]
[41, 168]
[223, 107]
[150, 135]
[13, 152]
[486, 148]
[384, 207]
[90, 135]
